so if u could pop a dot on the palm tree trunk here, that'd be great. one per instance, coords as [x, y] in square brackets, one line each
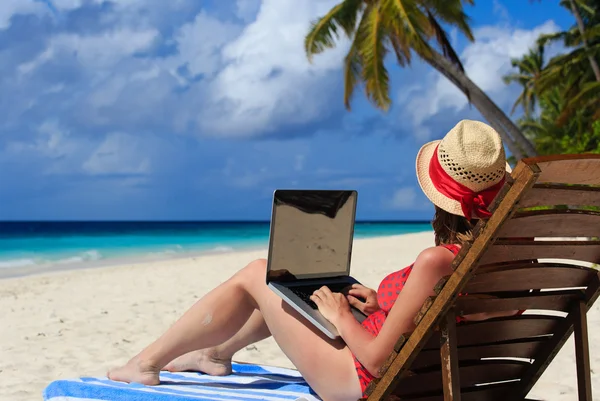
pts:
[516, 142]
[581, 27]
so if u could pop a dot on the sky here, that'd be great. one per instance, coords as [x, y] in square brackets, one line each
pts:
[198, 110]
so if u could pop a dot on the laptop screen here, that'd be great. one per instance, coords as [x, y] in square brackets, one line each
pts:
[311, 234]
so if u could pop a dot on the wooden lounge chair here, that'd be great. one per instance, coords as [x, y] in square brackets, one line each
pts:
[511, 264]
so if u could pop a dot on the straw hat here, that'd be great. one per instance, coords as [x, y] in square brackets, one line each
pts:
[463, 172]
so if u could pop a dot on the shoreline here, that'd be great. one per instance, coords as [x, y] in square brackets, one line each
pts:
[133, 259]
[28, 248]
[140, 258]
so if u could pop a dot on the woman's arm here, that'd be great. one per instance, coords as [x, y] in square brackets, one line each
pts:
[431, 265]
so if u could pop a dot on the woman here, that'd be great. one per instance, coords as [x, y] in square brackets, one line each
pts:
[461, 174]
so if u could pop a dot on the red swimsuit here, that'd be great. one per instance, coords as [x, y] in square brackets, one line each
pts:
[387, 294]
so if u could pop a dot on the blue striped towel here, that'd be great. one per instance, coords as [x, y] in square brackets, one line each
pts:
[248, 382]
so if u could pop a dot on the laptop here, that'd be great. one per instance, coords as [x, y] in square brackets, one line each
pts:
[310, 246]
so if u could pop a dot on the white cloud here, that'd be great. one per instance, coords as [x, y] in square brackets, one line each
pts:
[53, 143]
[486, 61]
[405, 198]
[267, 79]
[10, 8]
[199, 45]
[65, 5]
[51, 140]
[95, 53]
[224, 79]
[119, 154]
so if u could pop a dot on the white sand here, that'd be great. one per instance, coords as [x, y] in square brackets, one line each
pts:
[80, 322]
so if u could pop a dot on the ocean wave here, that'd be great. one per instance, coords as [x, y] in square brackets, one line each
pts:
[222, 249]
[173, 250]
[16, 263]
[176, 250]
[87, 256]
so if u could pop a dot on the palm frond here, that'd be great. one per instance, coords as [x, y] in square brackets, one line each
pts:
[544, 40]
[324, 31]
[515, 77]
[452, 13]
[588, 94]
[442, 39]
[372, 51]
[582, 4]
[352, 74]
[401, 48]
[353, 64]
[409, 26]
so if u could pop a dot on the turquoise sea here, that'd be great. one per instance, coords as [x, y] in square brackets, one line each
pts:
[39, 246]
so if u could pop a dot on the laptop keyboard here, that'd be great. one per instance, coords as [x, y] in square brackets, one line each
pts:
[304, 292]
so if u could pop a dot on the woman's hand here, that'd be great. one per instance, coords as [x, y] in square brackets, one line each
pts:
[370, 304]
[332, 305]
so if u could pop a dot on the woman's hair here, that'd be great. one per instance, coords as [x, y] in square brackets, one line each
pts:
[451, 228]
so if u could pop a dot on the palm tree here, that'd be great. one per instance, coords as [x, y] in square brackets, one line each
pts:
[584, 36]
[574, 135]
[575, 5]
[578, 67]
[530, 68]
[377, 27]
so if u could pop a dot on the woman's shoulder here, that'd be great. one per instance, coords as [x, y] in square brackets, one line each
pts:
[438, 254]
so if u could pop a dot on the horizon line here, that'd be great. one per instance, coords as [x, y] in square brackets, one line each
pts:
[196, 221]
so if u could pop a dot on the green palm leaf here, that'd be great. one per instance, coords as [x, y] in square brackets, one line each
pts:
[451, 12]
[588, 97]
[530, 68]
[409, 26]
[372, 51]
[353, 63]
[324, 31]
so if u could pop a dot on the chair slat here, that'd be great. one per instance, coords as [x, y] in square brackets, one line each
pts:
[497, 330]
[556, 194]
[508, 251]
[555, 300]
[511, 349]
[552, 223]
[531, 276]
[575, 169]
[480, 372]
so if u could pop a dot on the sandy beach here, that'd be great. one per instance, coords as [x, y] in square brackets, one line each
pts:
[81, 322]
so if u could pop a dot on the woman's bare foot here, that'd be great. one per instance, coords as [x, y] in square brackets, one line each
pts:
[135, 371]
[200, 361]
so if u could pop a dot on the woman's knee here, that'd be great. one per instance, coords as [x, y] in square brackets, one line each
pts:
[253, 272]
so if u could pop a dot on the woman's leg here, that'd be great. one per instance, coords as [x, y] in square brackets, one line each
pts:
[327, 365]
[216, 361]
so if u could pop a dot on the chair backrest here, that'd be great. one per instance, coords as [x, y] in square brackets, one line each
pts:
[535, 253]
